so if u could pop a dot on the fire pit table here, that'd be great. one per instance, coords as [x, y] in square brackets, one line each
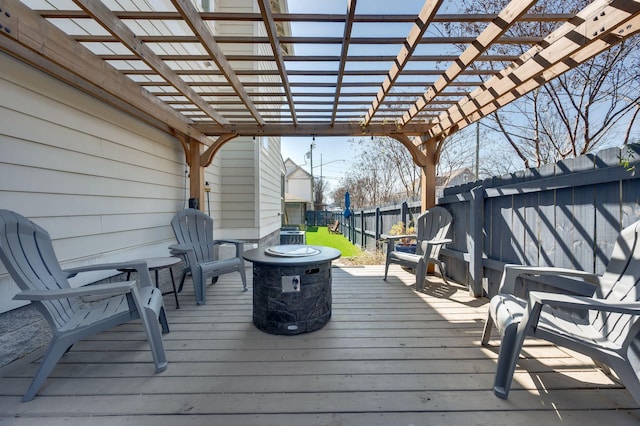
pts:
[291, 287]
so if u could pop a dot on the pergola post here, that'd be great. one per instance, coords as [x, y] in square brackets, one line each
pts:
[428, 183]
[196, 173]
[198, 161]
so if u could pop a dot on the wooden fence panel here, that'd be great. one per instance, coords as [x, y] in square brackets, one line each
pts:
[547, 219]
[607, 211]
[566, 214]
[584, 217]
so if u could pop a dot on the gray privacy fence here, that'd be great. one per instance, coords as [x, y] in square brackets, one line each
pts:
[366, 227]
[566, 214]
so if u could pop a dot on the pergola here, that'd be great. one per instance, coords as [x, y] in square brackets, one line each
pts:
[164, 62]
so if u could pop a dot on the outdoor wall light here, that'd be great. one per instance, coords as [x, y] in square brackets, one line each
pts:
[207, 189]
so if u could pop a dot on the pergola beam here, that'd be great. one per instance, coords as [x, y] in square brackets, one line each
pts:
[309, 58]
[413, 39]
[244, 39]
[272, 32]
[313, 129]
[308, 17]
[346, 38]
[496, 29]
[599, 26]
[32, 39]
[204, 36]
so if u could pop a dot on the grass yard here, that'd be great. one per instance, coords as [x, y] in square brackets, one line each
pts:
[320, 236]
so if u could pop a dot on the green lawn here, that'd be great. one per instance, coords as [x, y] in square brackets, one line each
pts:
[320, 236]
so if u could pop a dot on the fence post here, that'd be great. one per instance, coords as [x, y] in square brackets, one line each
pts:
[363, 237]
[352, 228]
[404, 212]
[474, 241]
[378, 225]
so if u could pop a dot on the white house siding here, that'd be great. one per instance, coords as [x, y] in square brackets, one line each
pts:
[247, 190]
[238, 190]
[299, 184]
[103, 184]
[271, 171]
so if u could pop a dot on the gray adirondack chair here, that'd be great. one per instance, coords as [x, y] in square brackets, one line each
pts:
[431, 232]
[608, 333]
[27, 253]
[194, 232]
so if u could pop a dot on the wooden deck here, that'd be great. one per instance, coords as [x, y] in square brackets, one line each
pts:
[389, 356]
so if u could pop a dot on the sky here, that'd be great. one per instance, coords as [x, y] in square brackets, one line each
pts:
[335, 153]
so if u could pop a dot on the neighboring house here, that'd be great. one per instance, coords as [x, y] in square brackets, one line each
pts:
[298, 194]
[453, 178]
[106, 184]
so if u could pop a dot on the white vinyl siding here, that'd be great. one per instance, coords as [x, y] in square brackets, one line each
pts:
[106, 185]
[103, 184]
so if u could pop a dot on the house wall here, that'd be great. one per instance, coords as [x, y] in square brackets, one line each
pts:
[245, 200]
[106, 185]
[103, 184]
[299, 184]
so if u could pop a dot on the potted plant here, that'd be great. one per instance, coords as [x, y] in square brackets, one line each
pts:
[405, 237]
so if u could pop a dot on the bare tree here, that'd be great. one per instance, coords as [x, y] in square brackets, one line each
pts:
[320, 187]
[592, 106]
[383, 171]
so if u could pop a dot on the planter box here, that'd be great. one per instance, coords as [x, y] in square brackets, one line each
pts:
[406, 248]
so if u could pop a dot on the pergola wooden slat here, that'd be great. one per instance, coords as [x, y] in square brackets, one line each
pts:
[270, 25]
[114, 25]
[601, 24]
[417, 31]
[193, 19]
[172, 69]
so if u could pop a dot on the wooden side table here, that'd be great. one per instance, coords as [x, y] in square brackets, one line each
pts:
[156, 264]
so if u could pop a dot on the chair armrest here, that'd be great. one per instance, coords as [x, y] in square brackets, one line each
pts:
[228, 241]
[141, 268]
[181, 248]
[238, 243]
[396, 237]
[584, 303]
[511, 272]
[65, 293]
[443, 241]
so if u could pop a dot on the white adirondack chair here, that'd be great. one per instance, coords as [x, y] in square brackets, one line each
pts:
[431, 232]
[608, 333]
[194, 232]
[27, 253]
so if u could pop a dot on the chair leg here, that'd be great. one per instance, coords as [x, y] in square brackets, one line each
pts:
[199, 285]
[386, 269]
[155, 339]
[510, 348]
[421, 274]
[488, 326]
[184, 276]
[57, 348]
[152, 315]
[387, 258]
[443, 273]
[629, 376]
[162, 319]
[243, 275]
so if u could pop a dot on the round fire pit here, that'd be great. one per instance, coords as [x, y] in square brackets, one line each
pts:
[291, 287]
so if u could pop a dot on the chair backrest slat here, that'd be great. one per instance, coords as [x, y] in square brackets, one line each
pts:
[621, 282]
[27, 253]
[195, 228]
[433, 224]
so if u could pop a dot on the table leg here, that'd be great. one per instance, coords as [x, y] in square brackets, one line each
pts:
[175, 292]
[173, 284]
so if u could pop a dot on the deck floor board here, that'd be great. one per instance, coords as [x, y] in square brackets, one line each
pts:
[388, 356]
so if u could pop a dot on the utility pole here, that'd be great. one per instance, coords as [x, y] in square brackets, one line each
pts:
[313, 192]
[477, 150]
